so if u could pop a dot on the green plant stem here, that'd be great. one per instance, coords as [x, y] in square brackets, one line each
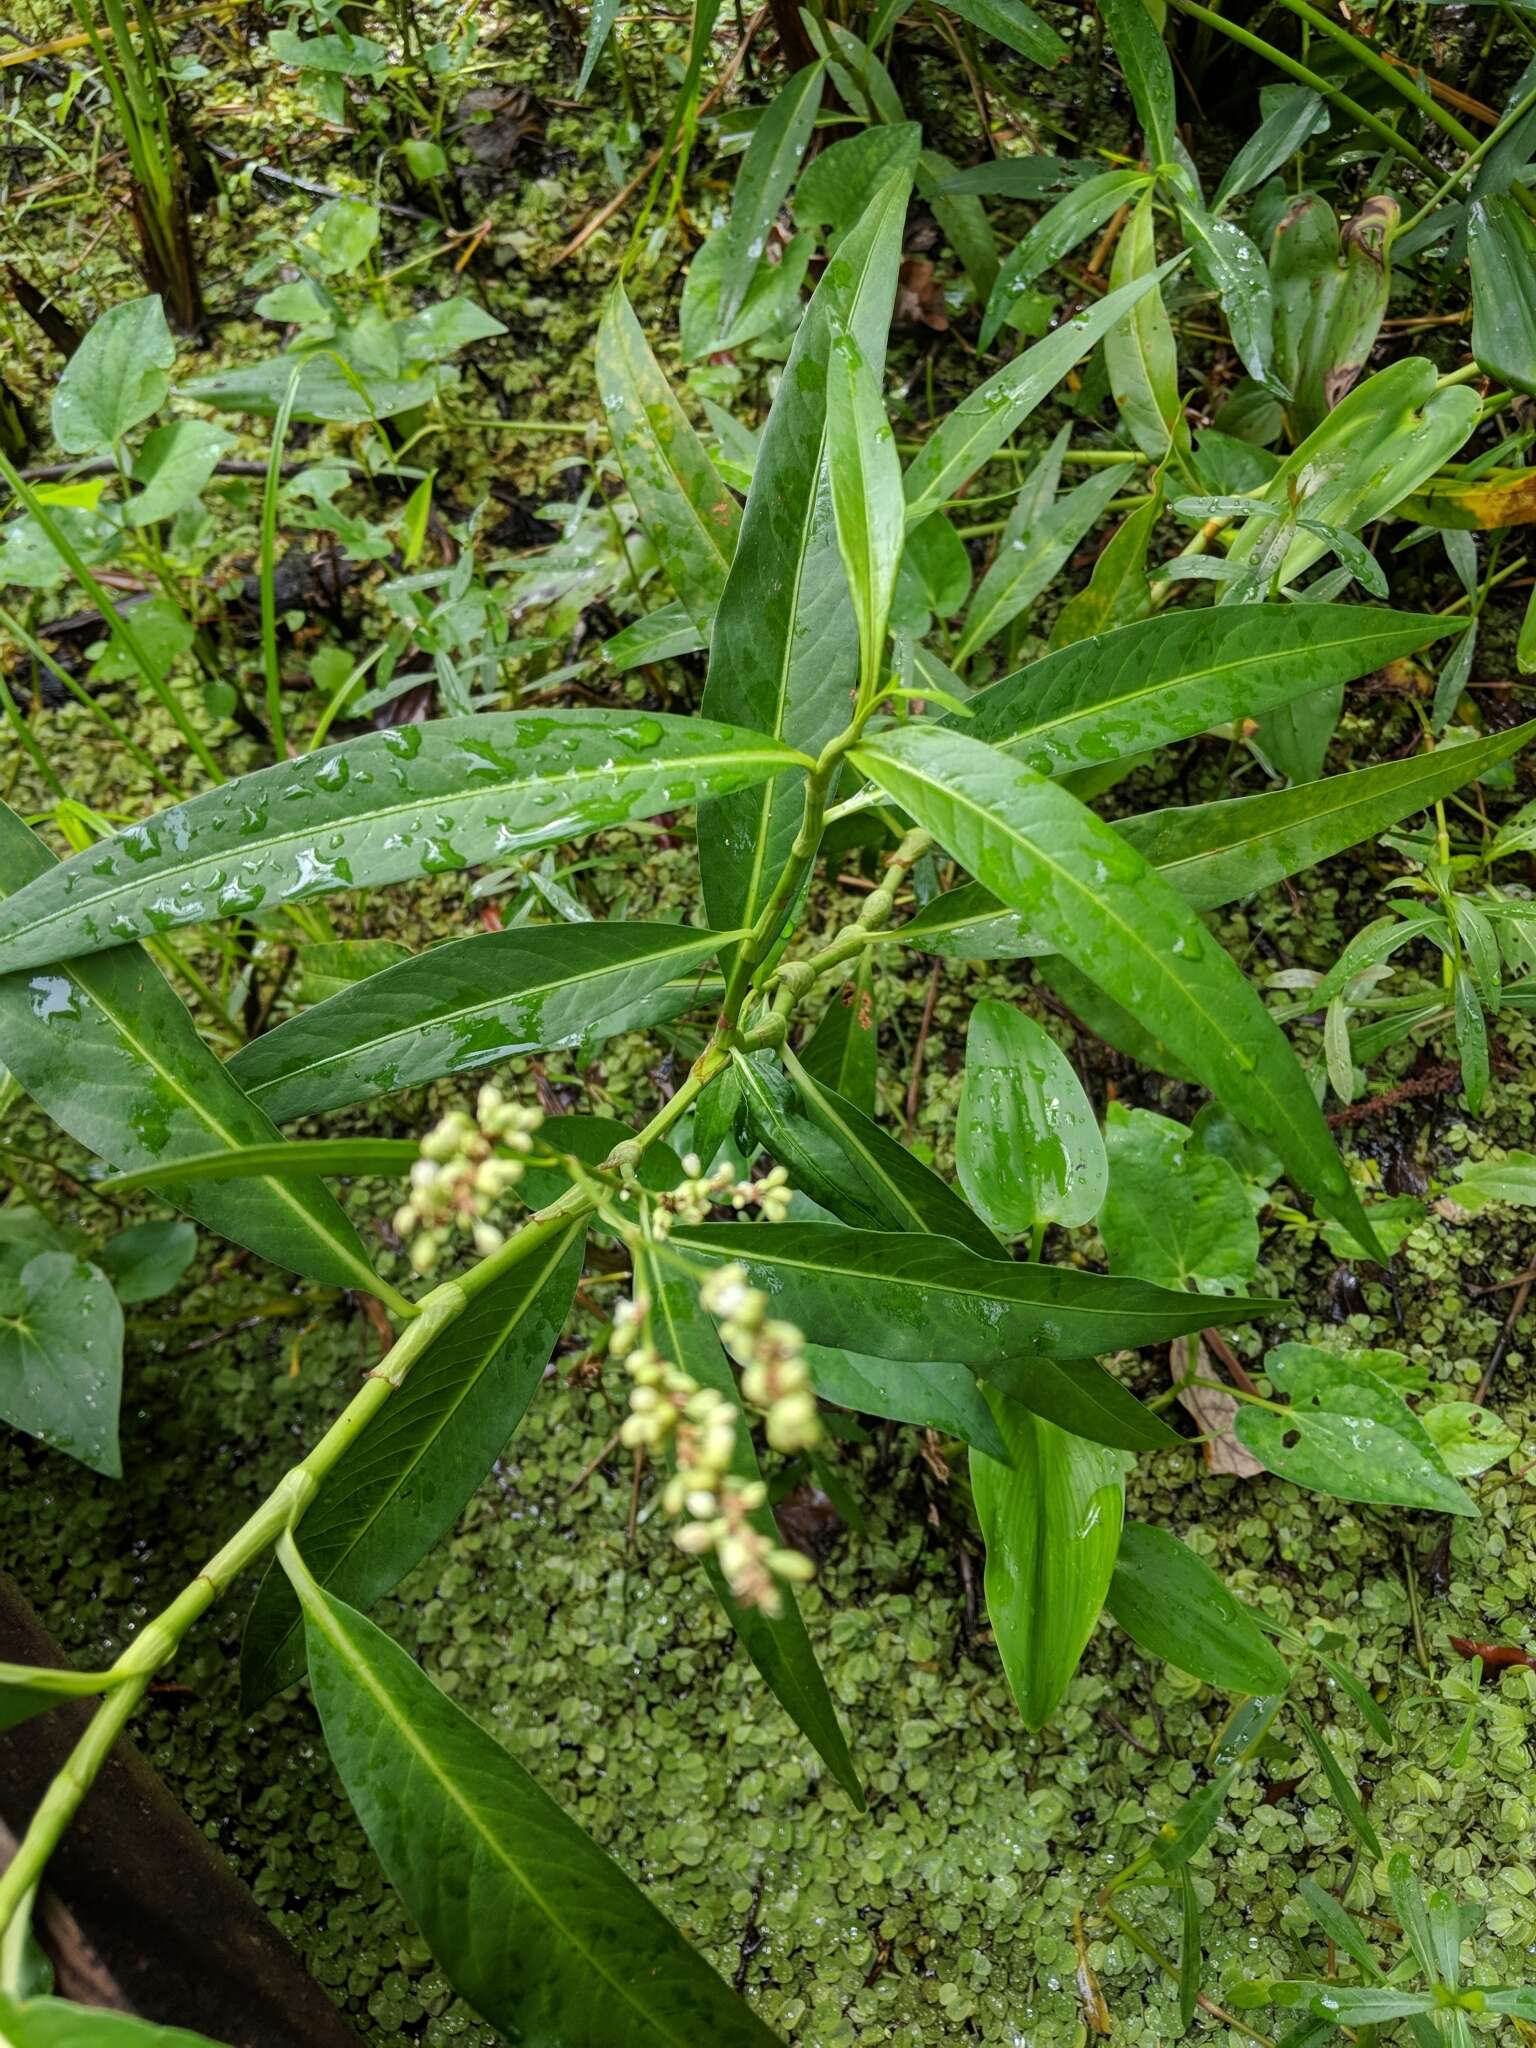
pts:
[1389, 74]
[1382, 130]
[1470, 163]
[271, 669]
[31, 645]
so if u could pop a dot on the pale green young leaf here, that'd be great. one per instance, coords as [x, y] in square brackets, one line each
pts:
[27, 1689]
[867, 503]
[115, 378]
[1174, 1214]
[55, 2023]
[1140, 353]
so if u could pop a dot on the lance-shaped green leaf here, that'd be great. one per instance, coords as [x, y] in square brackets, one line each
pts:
[541, 1932]
[842, 1052]
[988, 416]
[867, 505]
[777, 1643]
[403, 1483]
[930, 1393]
[107, 1049]
[1140, 354]
[1148, 73]
[770, 166]
[784, 650]
[1167, 678]
[1030, 556]
[684, 506]
[1119, 591]
[1292, 114]
[1501, 255]
[55, 2023]
[422, 800]
[1051, 1520]
[1017, 25]
[492, 997]
[28, 1689]
[1023, 1327]
[1027, 1143]
[660, 635]
[1074, 879]
[1227, 263]
[600, 19]
[1170, 1602]
[1339, 2005]
[61, 1354]
[1071, 220]
[1372, 450]
[297, 1160]
[1216, 853]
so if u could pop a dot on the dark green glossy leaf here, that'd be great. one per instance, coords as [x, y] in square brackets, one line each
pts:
[1148, 73]
[1178, 1839]
[1027, 1145]
[1190, 1961]
[1341, 1928]
[1119, 591]
[685, 508]
[27, 1689]
[1031, 554]
[1051, 1521]
[1227, 263]
[291, 1162]
[784, 650]
[842, 1051]
[107, 1050]
[469, 1004]
[988, 416]
[777, 1644]
[590, 1140]
[1330, 295]
[1021, 1326]
[931, 1393]
[1016, 24]
[1074, 878]
[529, 1920]
[421, 800]
[1347, 1433]
[770, 166]
[1170, 1602]
[1169, 677]
[404, 1481]
[867, 506]
[54, 2023]
[61, 1354]
[1501, 253]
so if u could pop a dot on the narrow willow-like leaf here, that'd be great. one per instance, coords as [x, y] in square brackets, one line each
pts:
[1028, 561]
[1189, 1950]
[1341, 1786]
[1170, 1602]
[1166, 678]
[1140, 354]
[1024, 1327]
[1073, 878]
[1292, 117]
[402, 1484]
[770, 166]
[421, 800]
[1027, 1144]
[930, 1393]
[600, 19]
[1016, 24]
[784, 650]
[295, 1160]
[1148, 74]
[541, 1932]
[684, 506]
[55, 2023]
[1501, 253]
[842, 1052]
[27, 1689]
[107, 1049]
[986, 417]
[467, 1004]
[1227, 263]
[1071, 220]
[777, 1644]
[867, 505]
[1051, 1521]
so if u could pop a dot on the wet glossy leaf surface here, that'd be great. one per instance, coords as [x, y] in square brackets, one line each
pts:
[106, 1048]
[61, 1354]
[1027, 1143]
[403, 1483]
[468, 1004]
[1051, 1520]
[1168, 1600]
[1073, 878]
[427, 799]
[931, 1394]
[540, 1931]
[1174, 1214]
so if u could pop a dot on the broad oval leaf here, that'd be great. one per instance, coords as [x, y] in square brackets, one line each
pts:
[777, 1643]
[420, 800]
[1051, 1520]
[1167, 678]
[784, 650]
[403, 1482]
[1027, 1143]
[61, 1355]
[463, 1005]
[106, 1048]
[55, 2023]
[684, 506]
[1072, 877]
[540, 1931]
[1172, 1604]
[1024, 1327]
[115, 378]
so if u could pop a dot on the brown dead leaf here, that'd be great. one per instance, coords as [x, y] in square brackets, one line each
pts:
[1214, 1413]
[920, 296]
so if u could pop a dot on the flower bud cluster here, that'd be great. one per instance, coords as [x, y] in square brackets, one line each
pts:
[695, 1195]
[771, 1353]
[467, 1164]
